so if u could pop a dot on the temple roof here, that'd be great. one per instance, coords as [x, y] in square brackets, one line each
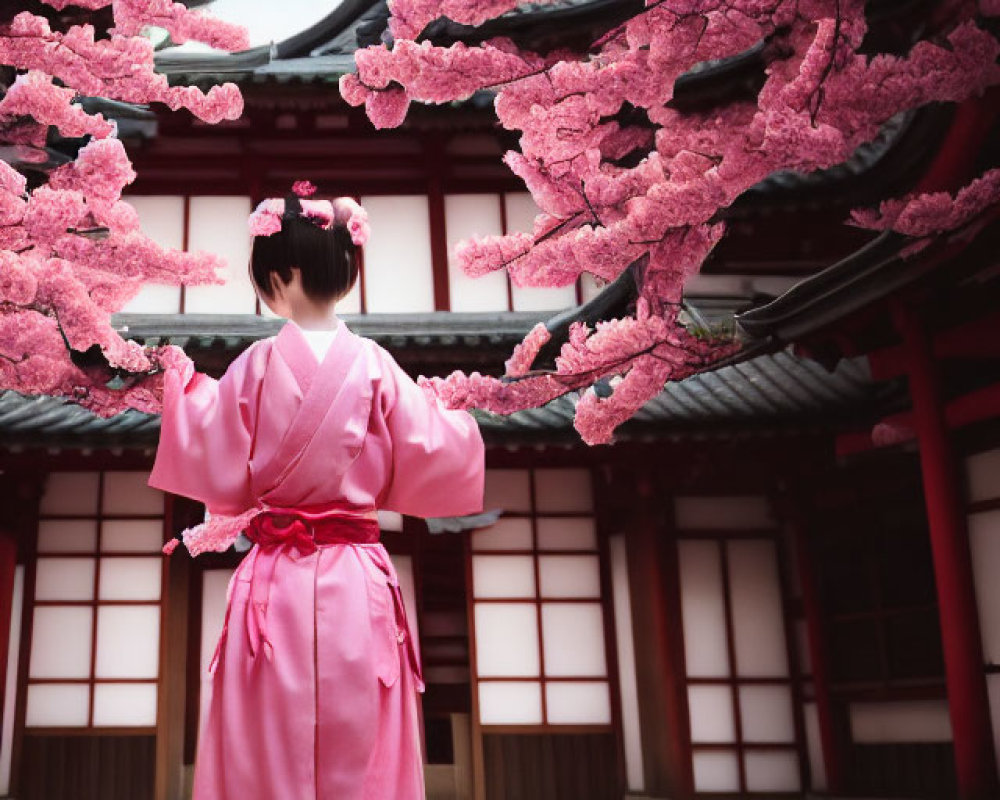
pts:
[776, 393]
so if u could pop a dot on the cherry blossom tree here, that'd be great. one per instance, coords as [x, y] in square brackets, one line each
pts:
[629, 183]
[71, 250]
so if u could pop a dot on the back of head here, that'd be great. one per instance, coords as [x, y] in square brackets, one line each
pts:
[309, 238]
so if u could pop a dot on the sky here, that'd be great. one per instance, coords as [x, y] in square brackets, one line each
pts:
[269, 20]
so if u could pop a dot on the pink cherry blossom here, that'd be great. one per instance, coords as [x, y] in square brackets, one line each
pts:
[934, 212]
[71, 250]
[626, 179]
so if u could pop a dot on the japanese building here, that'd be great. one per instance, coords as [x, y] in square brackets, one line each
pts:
[778, 581]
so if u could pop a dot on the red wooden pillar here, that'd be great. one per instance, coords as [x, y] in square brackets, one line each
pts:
[655, 596]
[8, 563]
[968, 703]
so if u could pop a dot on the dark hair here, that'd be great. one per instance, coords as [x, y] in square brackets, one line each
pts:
[326, 257]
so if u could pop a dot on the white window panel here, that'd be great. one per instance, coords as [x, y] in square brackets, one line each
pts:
[772, 771]
[503, 576]
[902, 721]
[711, 712]
[399, 273]
[219, 225]
[70, 493]
[983, 473]
[590, 287]
[573, 640]
[572, 703]
[984, 542]
[162, 220]
[566, 533]
[507, 533]
[64, 579]
[506, 640]
[60, 642]
[534, 298]
[521, 213]
[703, 613]
[125, 704]
[569, 576]
[507, 489]
[128, 642]
[67, 535]
[130, 493]
[350, 303]
[716, 772]
[131, 535]
[510, 703]
[390, 521]
[722, 513]
[766, 714]
[56, 705]
[563, 490]
[758, 616]
[131, 578]
[467, 216]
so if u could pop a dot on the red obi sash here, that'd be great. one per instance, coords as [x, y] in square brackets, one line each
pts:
[280, 531]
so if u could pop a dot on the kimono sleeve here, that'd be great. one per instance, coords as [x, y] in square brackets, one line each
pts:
[437, 453]
[206, 432]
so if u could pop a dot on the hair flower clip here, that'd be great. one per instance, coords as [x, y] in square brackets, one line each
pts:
[267, 217]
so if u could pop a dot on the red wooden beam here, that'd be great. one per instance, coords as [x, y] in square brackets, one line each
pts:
[977, 339]
[976, 406]
[955, 160]
[968, 703]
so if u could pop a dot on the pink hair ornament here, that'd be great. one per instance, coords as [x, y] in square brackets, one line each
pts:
[266, 218]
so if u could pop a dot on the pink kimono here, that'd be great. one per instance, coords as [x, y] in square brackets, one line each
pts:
[316, 675]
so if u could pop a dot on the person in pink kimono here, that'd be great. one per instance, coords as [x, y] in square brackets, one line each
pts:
[302, 440]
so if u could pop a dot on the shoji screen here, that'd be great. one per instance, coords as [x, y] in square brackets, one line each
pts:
[466, 216]
[537, 606]
[219, 225]
[163, 219]
[521, 212]
[399, 275]
[983, 480]
[95, 637]
[739, 686]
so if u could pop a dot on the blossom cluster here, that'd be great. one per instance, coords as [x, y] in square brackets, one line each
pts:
[627, 180]
[71, 250]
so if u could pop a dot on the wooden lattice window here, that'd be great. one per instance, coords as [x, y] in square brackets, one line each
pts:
[740, 690]
[96, 592]
[538, 614]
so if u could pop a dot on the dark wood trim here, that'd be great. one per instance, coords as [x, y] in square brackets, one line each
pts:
[185, 238]
[174, 656]
[504, 230]
[734, 690]
[29, 544]
[8, 570]
[192, 695]
[612, 668]
[438, 227]
[476, 728]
